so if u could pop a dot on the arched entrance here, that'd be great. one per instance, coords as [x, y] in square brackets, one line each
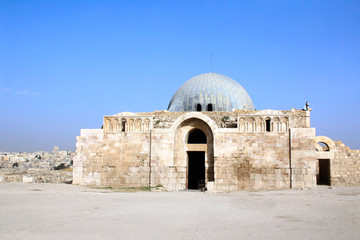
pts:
[196, 160]
[194, 149]
[324, 155]
[322, 165]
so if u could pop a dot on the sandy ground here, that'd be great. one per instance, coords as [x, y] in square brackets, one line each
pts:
[60, 211]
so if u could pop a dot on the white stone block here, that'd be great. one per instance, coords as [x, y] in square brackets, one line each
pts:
[28, 179]
[210, 187]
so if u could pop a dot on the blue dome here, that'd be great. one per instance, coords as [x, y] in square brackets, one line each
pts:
[210, 92]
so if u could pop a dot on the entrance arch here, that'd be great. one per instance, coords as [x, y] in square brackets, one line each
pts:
[194, 149]
[324, 147]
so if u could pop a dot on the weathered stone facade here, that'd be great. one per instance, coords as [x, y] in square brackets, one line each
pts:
[265, 149]
[212, 138]
[342, 164]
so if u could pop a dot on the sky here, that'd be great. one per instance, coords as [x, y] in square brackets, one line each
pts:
[66, 64]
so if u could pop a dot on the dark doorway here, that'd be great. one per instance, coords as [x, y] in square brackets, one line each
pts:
[198, 108]
[196, 169]
[123, 123]
[267, 121]
[197, 136]
[323, 176]
[209, 107]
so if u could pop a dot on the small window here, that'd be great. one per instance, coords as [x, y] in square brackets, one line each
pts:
[198, 107]
[123, 125]
[322, 147]
[209, 107]
[268, 125]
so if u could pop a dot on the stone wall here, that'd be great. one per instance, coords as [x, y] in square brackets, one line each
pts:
[113, 159]
[135, 150]
[164, 171]
[303, 157]
[345, 167]
[36, 176]
[299, 118]
[251, 161]
[172, 178]
[87, 165]
[165, 119]
[342, 162]
[125, 160]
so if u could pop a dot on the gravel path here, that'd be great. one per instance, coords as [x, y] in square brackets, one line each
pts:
[60, 211]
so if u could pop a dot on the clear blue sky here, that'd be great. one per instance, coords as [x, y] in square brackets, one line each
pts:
[66, 64]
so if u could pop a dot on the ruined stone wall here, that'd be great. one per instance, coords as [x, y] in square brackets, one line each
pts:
[345, 167]
[87, 162]
[299, 118]
[251, 161]
[36, 176]
[165, 119]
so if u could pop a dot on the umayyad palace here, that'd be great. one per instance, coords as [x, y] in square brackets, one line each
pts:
[211, 137]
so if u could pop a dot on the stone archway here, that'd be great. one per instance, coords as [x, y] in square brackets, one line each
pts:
[324, 155]
[194, 148]
[326, 140]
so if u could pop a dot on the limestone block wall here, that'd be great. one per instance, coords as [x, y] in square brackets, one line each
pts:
[135, 150]
[125, 160]
[345, 167]
[303, 157]
[172, 178]
[112, 159]
[251, 161]
[87, 162]
[164, 171]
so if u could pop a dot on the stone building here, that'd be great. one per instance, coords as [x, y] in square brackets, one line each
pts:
[212, 136]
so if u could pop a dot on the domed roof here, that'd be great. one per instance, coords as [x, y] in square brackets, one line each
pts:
[210, 92]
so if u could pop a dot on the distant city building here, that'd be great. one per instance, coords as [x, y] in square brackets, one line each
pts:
[36, 167]
[211, 137]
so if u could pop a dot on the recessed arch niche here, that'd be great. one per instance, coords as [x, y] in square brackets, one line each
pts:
[194, 135]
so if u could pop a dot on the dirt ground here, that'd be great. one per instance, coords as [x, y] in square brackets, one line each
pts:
[60, 211]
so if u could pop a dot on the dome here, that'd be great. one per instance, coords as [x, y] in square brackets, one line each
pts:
[210, 92]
